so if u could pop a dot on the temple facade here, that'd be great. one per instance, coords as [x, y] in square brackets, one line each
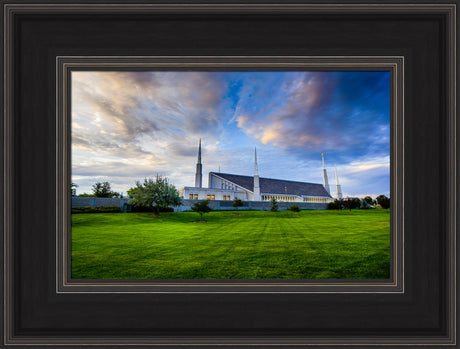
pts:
[227, 186]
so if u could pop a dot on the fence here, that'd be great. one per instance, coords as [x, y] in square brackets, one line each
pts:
[214, 204]
[252, 205]
[97, 202]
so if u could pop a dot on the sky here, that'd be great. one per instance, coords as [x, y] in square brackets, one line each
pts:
[131, 125]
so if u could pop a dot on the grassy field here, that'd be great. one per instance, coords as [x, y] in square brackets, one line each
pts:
[253, 245]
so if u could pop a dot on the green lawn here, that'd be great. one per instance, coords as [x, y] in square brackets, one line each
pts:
[254, 245]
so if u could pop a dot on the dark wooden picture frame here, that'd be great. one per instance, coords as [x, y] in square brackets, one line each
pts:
[41, 304]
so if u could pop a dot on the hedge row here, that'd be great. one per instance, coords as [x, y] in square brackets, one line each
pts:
[97, 209]
[148, 209]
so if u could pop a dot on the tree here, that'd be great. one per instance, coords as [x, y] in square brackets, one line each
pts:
[273, 205]
[383, 201]
[355, 203]
[237, 203]
[369, 200]
[86, 195]
[337, 204]
[157, 194]
[201, 207]
[350, 203]
[73, 189]
[295, 208]
[102, 190]
[365, 205]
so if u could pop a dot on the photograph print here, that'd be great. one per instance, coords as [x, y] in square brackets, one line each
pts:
[230, 174]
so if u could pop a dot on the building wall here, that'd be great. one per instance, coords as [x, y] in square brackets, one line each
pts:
[282, 197]
[97, 202]
[211, 194]
[296, 198]
[251, 205]
[217, 204]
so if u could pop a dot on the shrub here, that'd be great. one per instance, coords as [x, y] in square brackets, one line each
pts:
[97, 209]
[273, 205]
[335, 205]
[237, 203]
[201, 207]
[295, 208]
[136, 208]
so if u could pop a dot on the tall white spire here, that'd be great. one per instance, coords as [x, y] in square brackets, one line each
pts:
[339, 187]
[256, 178]
[256, 172]
[326, 182]
[199, 169]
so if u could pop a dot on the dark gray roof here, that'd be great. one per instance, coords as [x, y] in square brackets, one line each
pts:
[276, 186]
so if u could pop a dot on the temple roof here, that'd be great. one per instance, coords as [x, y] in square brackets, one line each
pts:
[275, 186]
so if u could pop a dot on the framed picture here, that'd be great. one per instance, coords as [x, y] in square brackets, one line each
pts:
[106, 104]
[247, 253]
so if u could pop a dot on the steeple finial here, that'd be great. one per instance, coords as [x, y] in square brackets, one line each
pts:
[325, 180]
[338, 186]
[256, 178]
[256, 172]
[199, 169]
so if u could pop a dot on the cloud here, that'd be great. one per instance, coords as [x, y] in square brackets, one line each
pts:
[135, 103]
[153, 118]
[130, 125]
[323, 111]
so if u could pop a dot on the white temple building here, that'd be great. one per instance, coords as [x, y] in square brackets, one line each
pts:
[226, 186]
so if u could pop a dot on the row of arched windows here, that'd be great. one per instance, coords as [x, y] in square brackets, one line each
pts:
[279, 197]
[227, 185]
[315, 199]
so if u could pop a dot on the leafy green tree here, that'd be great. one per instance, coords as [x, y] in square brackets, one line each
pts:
[348, 204]
[295, 208]
[102, 190]
[365, 205]
[273, 205]
[201, 207]
[73, 189]
[355, 203]
[237, 203]
[337, 204]
[383, 201]
[157, 194]
[86, 195]
[369, 200]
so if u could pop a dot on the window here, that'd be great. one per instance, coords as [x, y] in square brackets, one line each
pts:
[208, 197]
[195, 196]
[213, 197]
[190, 196]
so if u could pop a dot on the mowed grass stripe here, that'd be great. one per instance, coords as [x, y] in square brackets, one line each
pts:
[251, 245]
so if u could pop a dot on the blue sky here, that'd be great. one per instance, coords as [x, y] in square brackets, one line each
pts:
[127, 126]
